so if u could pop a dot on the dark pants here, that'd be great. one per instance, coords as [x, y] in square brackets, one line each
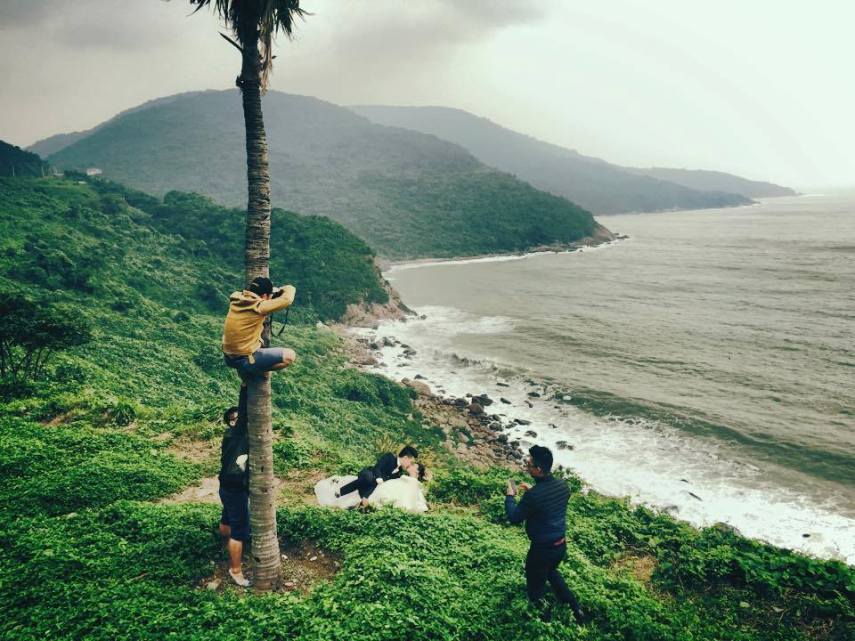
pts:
[365, 482]
[541, 565]
[235, 512]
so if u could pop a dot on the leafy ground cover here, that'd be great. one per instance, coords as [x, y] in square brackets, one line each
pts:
[114, 425]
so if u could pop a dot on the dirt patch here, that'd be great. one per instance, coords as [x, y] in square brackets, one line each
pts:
[201, 452]
[304, 565]
[641, 567]
[59, 419]
[208, 491]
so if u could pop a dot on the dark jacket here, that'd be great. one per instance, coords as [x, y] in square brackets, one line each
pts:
[543, 508]
[235, 443]
[385, 467]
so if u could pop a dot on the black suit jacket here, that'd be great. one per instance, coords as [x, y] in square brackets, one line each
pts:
[385, 467]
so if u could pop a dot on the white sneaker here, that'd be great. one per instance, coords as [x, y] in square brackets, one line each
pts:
[239, 578]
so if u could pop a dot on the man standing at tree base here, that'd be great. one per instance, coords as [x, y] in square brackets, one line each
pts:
[234, 487]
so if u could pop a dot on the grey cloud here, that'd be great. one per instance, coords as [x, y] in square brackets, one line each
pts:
[93, 24]
[14, 13]
[429, 27]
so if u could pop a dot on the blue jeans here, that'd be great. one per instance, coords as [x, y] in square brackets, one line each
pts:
[262, 360]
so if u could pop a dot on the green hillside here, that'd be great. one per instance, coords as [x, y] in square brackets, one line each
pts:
[406, 194]
[102, 238]
[14, 161]
[89, 449]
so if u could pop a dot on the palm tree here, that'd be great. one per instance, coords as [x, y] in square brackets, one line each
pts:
[254, 23]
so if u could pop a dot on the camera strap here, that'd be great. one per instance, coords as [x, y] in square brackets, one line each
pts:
[284, 323]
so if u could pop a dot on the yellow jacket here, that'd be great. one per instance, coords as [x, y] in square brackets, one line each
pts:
[245, 320]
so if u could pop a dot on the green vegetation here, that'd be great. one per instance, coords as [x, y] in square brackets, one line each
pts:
[30, 333]
[114, 425]
[406, 194]
[16, 162]
[97, 237]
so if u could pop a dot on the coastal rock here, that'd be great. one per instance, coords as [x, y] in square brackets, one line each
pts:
[461, 402]
[475, 409]
[505, 401]
[522, 421]
[422, 389]
[529, 403]
[564, 445]
[727, 528]
[483, 400]
[531, 434]
[501, 384]
[534, 395]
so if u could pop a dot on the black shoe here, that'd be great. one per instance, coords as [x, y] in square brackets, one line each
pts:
[579, 615]
[546, 615]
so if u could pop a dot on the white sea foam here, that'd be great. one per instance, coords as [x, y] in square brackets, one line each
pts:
[651, 463]
[503, 258]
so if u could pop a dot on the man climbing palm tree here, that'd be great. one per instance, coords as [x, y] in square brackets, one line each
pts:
[242, 344]
[253, 24]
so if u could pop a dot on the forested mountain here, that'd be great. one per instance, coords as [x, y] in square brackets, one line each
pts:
[14, 161]
[716, 180]
[595, 184]
[405, 193]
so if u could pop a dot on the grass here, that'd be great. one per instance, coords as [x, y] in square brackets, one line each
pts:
[90, 552]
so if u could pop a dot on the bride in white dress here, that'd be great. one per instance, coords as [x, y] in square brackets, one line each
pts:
[404, 493]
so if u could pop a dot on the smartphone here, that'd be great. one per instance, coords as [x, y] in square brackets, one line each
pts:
[513, 485]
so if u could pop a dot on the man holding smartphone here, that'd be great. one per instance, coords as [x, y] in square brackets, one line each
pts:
[543, 507]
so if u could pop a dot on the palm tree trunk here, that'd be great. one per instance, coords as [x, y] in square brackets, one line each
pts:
[267, 566]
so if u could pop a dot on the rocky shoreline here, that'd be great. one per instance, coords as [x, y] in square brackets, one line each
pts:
[473, 432]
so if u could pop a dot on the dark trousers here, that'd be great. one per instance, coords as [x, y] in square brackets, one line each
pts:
[365, 483]
[541, 565]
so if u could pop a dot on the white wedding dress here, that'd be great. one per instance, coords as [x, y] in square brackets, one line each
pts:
[404, 493]
[325, 490]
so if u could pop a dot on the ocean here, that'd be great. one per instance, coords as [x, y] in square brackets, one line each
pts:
[704, 366]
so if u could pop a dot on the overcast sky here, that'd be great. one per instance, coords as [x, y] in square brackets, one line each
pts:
[762, 88]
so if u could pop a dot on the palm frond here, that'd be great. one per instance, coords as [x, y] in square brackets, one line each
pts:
[261, 19]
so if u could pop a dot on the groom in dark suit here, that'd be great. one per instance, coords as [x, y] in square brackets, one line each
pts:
[388, 467]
